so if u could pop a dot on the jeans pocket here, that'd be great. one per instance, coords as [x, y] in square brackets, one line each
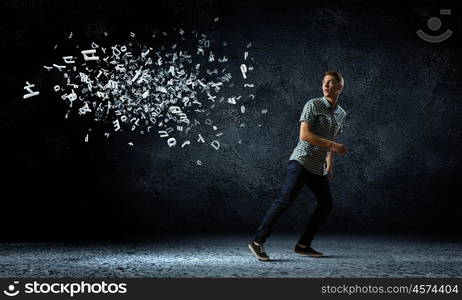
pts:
[294, 168]
[293, 164]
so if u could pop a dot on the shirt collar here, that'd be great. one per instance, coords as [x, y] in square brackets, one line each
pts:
[328, 104]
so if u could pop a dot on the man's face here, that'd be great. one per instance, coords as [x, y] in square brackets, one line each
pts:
[330, 86]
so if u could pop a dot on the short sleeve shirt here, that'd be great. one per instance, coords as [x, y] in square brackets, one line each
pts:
[326, 123]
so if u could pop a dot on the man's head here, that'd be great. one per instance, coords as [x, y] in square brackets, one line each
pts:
[332, 84]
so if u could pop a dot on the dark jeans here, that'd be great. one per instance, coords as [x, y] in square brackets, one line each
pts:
[297, 177]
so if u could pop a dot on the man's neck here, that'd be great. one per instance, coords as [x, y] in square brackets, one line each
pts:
[332, 100]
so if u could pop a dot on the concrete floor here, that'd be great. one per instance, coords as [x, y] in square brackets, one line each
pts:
[228, 256]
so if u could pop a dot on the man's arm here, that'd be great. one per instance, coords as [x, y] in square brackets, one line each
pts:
[330, 159]
[308, 136]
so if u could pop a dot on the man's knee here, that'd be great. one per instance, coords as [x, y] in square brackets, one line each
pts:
[286, 199]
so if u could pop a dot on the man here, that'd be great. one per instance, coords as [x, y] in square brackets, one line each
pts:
[311, 163]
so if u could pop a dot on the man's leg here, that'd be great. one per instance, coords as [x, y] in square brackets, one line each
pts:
[296, 178]
[319, 185]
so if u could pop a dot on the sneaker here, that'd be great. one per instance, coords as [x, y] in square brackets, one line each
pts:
[258, 251]
[307, 251]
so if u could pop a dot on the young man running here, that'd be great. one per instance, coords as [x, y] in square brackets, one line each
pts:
[311, 163]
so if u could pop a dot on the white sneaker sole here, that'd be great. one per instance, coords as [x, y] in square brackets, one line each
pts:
[256, 255]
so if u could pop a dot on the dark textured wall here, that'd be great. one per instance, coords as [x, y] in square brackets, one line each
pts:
[402, 96]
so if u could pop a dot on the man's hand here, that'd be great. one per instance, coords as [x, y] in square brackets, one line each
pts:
[339, 148]
[330, 172]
